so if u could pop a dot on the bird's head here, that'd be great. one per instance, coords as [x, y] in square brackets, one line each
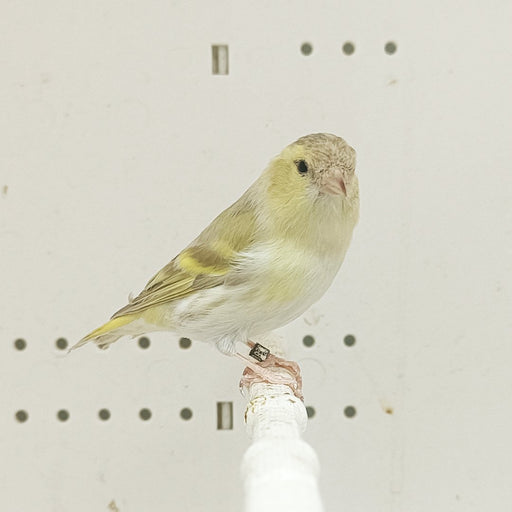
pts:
[315, 166]
[311, 187]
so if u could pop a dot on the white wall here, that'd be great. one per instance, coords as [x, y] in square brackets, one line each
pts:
[118, 146]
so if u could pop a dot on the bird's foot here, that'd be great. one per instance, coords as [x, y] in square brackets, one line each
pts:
[273, 369]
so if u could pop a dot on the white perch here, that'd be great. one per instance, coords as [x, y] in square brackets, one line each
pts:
[280, 470]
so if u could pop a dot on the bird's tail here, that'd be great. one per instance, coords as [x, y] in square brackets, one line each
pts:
[108, 333]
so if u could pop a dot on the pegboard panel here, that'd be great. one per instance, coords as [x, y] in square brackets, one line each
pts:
[127, 127]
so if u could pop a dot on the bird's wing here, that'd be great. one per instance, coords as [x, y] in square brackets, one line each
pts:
[205, 263]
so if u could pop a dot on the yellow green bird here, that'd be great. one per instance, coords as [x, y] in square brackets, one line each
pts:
[262, 262]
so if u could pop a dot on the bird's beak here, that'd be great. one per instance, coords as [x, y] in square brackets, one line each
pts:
[335, 185]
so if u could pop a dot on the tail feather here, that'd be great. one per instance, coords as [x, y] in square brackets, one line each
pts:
[108, 333]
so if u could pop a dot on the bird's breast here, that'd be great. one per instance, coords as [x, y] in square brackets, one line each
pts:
[296, 269]
[286, 272]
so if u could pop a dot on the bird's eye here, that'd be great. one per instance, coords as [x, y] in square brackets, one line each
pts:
[302, 166]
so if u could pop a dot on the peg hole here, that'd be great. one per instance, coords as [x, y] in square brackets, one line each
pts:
[306, 49]
[62, 343]
[20, 344]
[21, 416]
[144, 342]
[186, 413]
[63, 415]
[390, 48]
[308, 340]
[145, 414]
[350, 411]
[185, 343]
[104, 414]
[348, 48]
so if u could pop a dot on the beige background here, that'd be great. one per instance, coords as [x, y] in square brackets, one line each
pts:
[118, 146]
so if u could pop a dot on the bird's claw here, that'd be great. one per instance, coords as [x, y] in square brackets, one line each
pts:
[274, 370]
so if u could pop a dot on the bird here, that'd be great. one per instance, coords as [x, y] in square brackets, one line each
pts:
[262, 262]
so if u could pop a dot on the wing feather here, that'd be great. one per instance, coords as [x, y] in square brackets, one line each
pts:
[206, 263]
